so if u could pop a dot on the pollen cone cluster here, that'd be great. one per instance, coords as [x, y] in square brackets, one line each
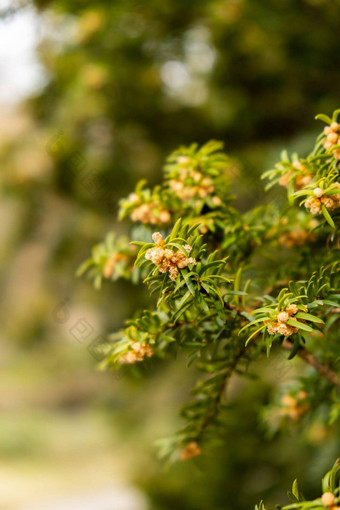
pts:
[280, 324]
[152, 213]
[111, 263]
[138, 353]
[332, 138]
[191, 450]
[167, 260]
[294, 407]
[331, 202]
[296, 237]
[301, 180]
[190, 182]
[202, 186]
[328, 500]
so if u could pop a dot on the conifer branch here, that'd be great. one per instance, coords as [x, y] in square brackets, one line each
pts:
[211, 416]
[309, 358]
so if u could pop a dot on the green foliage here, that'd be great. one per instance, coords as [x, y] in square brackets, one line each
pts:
[111, 259]
[194, 182]
[318, 291]
[214, 284]
[108, 113]
[127, 47]
[330, 497]
[318, 171]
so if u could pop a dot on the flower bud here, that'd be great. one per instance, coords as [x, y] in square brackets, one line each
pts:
[191, 450]
[283, 317]
[318, 192]
[292, 309]
[333, 138]
[328, 499]
[288, 401]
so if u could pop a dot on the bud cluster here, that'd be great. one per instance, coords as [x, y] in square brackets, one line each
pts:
[148, 212]
[114, 259]
[294, 407]
[328, 500]
[280, 324]
[296, 237]
[332, 138]
[301, 180]
[201, 187]
[166, 259]
[191, 450]
[191, 183]
[315, 202]
[137, 353]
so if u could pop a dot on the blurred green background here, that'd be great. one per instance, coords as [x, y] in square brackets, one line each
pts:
[93, 97]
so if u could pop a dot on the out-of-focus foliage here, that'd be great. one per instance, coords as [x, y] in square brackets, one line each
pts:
[126, 82]
[330, 494]
[206, 301]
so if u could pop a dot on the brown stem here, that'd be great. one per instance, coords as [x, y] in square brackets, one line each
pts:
[220, 392]
[323, 370]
